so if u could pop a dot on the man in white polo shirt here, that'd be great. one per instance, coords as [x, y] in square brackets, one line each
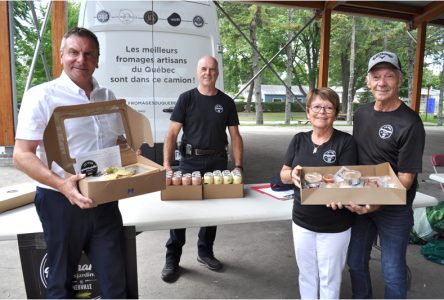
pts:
[70, 221]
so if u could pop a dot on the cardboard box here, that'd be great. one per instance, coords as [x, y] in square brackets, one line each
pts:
[202, 192]
[182, 192]
[16, 195]
[385, 196]
[217, 191]
[137, 131]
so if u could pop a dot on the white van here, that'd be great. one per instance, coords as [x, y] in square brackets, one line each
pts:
[149, 52]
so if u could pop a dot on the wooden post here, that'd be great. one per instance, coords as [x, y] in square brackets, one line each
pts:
[419, 63]
[325, 48]
[58, 27]
[6, 113]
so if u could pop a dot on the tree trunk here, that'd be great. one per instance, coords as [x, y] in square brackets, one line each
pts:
[410, 64]
[345, 74]
[250, 95]
[352, 72]
[441, 96]
[255, 62]
[288, 96]
[299, 84]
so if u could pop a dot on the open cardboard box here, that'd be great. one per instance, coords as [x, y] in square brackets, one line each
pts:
[137, 131]
[16, 195]
[385, 196]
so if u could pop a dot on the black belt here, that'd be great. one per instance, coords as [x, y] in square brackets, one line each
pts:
[190, 150]
[205, 152]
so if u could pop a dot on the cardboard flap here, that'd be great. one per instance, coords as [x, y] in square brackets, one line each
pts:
[137, 130]
[140, 128]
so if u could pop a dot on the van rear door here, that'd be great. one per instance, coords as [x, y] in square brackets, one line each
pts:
[149, 53]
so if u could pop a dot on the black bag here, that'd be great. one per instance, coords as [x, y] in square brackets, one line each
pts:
[277, 185]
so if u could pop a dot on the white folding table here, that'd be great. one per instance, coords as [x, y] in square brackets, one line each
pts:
[148, 212]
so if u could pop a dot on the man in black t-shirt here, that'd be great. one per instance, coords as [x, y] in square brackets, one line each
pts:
[385, 131]
[203, 113]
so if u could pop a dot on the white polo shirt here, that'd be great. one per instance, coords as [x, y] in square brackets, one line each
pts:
[84, 134]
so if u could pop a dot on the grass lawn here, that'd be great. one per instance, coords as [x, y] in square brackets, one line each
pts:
[430, 118]
[271, 116]
[280, 116]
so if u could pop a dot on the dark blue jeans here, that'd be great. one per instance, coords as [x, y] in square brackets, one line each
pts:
[392, 224]
[68, 230]
[207, 235]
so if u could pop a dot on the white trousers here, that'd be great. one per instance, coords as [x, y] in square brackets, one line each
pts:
[321, 259]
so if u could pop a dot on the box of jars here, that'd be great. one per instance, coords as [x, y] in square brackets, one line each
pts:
[194, 186]
[223, 184]
[182, 186]
[369, 184]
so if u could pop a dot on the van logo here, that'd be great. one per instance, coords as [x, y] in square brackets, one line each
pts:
[385, 131]
[103, 16]
[150, 17]
[219, 108]
[174, 19]
[126, 16]
[198, 21]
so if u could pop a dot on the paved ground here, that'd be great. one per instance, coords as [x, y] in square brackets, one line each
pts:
[259, 259]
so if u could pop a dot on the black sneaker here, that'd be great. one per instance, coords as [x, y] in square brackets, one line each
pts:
[170, 272]
[211, 263]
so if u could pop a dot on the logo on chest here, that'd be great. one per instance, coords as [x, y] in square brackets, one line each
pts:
[329, 156]
[385, 131]
[218, 108]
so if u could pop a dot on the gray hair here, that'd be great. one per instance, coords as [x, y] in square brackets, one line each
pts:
[82, 32]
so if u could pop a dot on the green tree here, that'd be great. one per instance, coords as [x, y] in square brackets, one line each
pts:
[306, 50]
[236, 51]
[435, 50]
[25, 40]
[372, 35]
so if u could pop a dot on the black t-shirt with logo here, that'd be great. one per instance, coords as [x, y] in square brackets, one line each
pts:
[205, 118]
[396, 137]
[340, 150]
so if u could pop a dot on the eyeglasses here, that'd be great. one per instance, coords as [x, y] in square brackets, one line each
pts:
[327, 109]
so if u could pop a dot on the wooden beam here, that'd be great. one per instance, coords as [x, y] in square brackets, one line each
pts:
[325, 48]
[391, 10]
[58, 28]
[432, 10]
[366, 12]
[303, 4]
[331, 4]
[419, 63]
[385, 6]
[6, 113]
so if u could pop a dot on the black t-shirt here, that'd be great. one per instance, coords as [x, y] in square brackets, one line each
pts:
[396, 137]
[340, 150]
[205, 118]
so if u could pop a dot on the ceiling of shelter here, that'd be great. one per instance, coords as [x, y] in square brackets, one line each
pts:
[412, 12]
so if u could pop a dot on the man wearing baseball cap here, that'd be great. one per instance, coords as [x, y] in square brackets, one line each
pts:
[386, 130]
